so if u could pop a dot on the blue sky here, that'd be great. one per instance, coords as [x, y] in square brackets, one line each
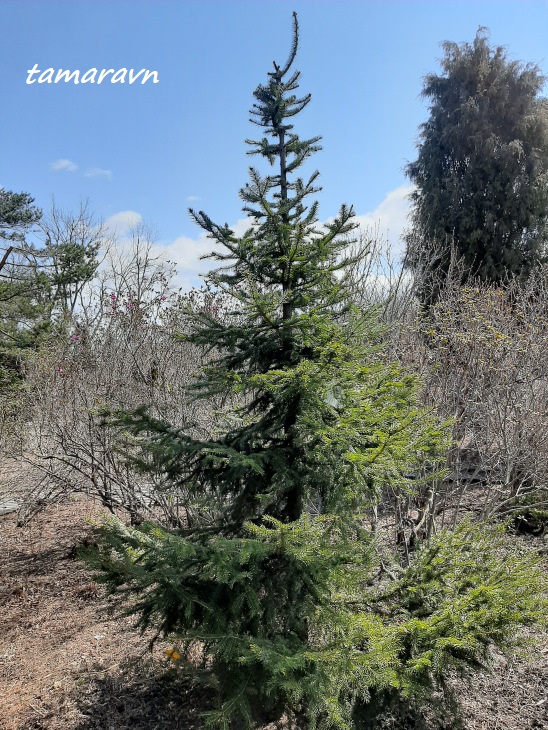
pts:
[150, 150]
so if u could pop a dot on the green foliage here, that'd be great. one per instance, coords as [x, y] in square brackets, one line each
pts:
[466, 590]
[274, 574]
[293, 615]
[39, 286]
[24, 303]
[17, 282]
[69, 256]
[480, 175]
[17, 214]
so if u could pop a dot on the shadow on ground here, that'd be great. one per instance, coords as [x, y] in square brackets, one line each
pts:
[142, 698]
[387, 711]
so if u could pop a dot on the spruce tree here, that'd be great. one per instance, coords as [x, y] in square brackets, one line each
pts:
[272, 572]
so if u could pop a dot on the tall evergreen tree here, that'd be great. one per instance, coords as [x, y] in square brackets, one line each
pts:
[20, 283]
[40, 285]
[17, 215]
[482, 170]
[272, 571]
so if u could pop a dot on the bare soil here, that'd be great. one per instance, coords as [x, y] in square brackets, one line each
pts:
[66, 664]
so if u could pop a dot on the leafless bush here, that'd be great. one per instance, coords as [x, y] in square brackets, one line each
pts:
[482, 352]
[123, 351]
[378, 278]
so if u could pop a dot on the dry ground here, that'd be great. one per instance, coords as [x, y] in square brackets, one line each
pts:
[66, 665]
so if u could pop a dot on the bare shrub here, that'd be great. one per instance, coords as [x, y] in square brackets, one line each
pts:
[123, 351]
[483, 354]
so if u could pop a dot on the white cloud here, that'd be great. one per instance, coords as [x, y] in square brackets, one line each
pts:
[192, 198]
[98, 172]
[120, 223]
[186, 252]
[64, 165]
[390, 216]
[389, 219]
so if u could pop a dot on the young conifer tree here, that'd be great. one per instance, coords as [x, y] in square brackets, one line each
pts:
[274, 573]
